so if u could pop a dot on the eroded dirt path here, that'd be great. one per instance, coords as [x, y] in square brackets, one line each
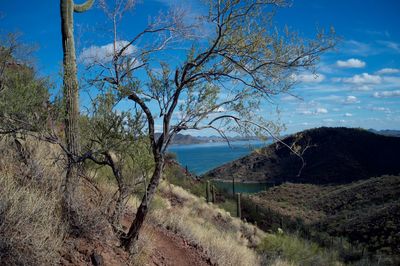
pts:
[171, 249]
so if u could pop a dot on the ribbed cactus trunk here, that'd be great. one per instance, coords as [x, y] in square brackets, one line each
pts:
[71, 96]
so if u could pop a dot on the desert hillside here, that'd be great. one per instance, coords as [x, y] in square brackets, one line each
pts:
[331, 156]
[364, 212]
[181, 229]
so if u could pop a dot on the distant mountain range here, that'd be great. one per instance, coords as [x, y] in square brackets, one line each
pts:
[386, 132]
[183, 139]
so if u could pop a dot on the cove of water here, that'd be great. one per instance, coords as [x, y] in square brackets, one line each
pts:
[200, 158]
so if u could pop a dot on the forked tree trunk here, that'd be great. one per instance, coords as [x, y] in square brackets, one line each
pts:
[129, 239]
[71, 96]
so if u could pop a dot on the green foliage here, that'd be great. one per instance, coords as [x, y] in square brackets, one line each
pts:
[176, 175]
[120, 134]
[24, 97]
[296, 250]
[228, 205]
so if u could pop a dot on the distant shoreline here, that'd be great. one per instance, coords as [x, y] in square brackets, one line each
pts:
[216, 141]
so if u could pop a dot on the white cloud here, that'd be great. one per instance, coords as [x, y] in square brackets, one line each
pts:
[328, 120]
[321, 111]
[316, 111]
[351, 99]
[348, 115]
[309, 78]
[384, 71]
[353, 47]
[364, 78]
[329, 98]
[103, 54]
[363, 88]
[351, 63]
[305, 112]
[387, 94]
[381, 109]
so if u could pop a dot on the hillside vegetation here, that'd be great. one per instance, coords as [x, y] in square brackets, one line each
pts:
[364, 212]
[32, 231]
[347, 196]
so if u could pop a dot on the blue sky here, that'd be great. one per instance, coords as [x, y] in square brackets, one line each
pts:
[357, 85]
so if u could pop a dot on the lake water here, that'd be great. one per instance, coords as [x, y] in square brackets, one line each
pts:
[200, 158]
[241, 187]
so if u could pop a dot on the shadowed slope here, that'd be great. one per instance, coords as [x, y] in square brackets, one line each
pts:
[333, 156]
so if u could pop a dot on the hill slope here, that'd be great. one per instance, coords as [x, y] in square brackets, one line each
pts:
[365, 212]
[332, 156]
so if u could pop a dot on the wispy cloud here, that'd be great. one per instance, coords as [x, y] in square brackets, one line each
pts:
[103, 54]
[290, 98]
[315, 111]
[309, 78]
[391, 45]
[385, 71]
[380, 109]
[351, 63]
[354, 47]
[321, 111]
[387, 94]
[357, 48]
[351, 100]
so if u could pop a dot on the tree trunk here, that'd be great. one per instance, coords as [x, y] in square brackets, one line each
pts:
[133, 233]
[71, 96]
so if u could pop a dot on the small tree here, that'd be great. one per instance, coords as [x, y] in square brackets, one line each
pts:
[115, 139]
[219, 85]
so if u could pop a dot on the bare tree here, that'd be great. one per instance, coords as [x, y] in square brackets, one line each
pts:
[219, 85]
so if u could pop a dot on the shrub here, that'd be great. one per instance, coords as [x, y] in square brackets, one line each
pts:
[295, 250]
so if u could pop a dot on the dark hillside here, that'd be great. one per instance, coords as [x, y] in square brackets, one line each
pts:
[332, 156]
[366, 212]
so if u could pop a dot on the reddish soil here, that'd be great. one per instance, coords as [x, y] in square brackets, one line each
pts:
[168, 248]
[171, 249]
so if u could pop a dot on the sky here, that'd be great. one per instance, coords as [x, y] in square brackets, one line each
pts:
[356, 85]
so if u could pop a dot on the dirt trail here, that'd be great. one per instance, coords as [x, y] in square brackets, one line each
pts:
[167, 249]
[171, 249]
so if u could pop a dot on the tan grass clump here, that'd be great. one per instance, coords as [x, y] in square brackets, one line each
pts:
[31, 229]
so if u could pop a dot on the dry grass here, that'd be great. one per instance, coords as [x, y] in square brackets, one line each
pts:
[32, 232]
[31, 229]
[226, 240]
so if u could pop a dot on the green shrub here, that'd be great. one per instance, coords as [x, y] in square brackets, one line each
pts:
[296, 250]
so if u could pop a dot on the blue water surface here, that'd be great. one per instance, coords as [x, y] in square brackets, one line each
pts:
[200, 158]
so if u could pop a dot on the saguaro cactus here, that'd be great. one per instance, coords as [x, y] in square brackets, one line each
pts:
[238, 207]
[70, 89]
[208, 192]
[213, 193]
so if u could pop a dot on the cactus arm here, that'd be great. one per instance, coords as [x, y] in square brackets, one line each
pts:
[83, 7]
